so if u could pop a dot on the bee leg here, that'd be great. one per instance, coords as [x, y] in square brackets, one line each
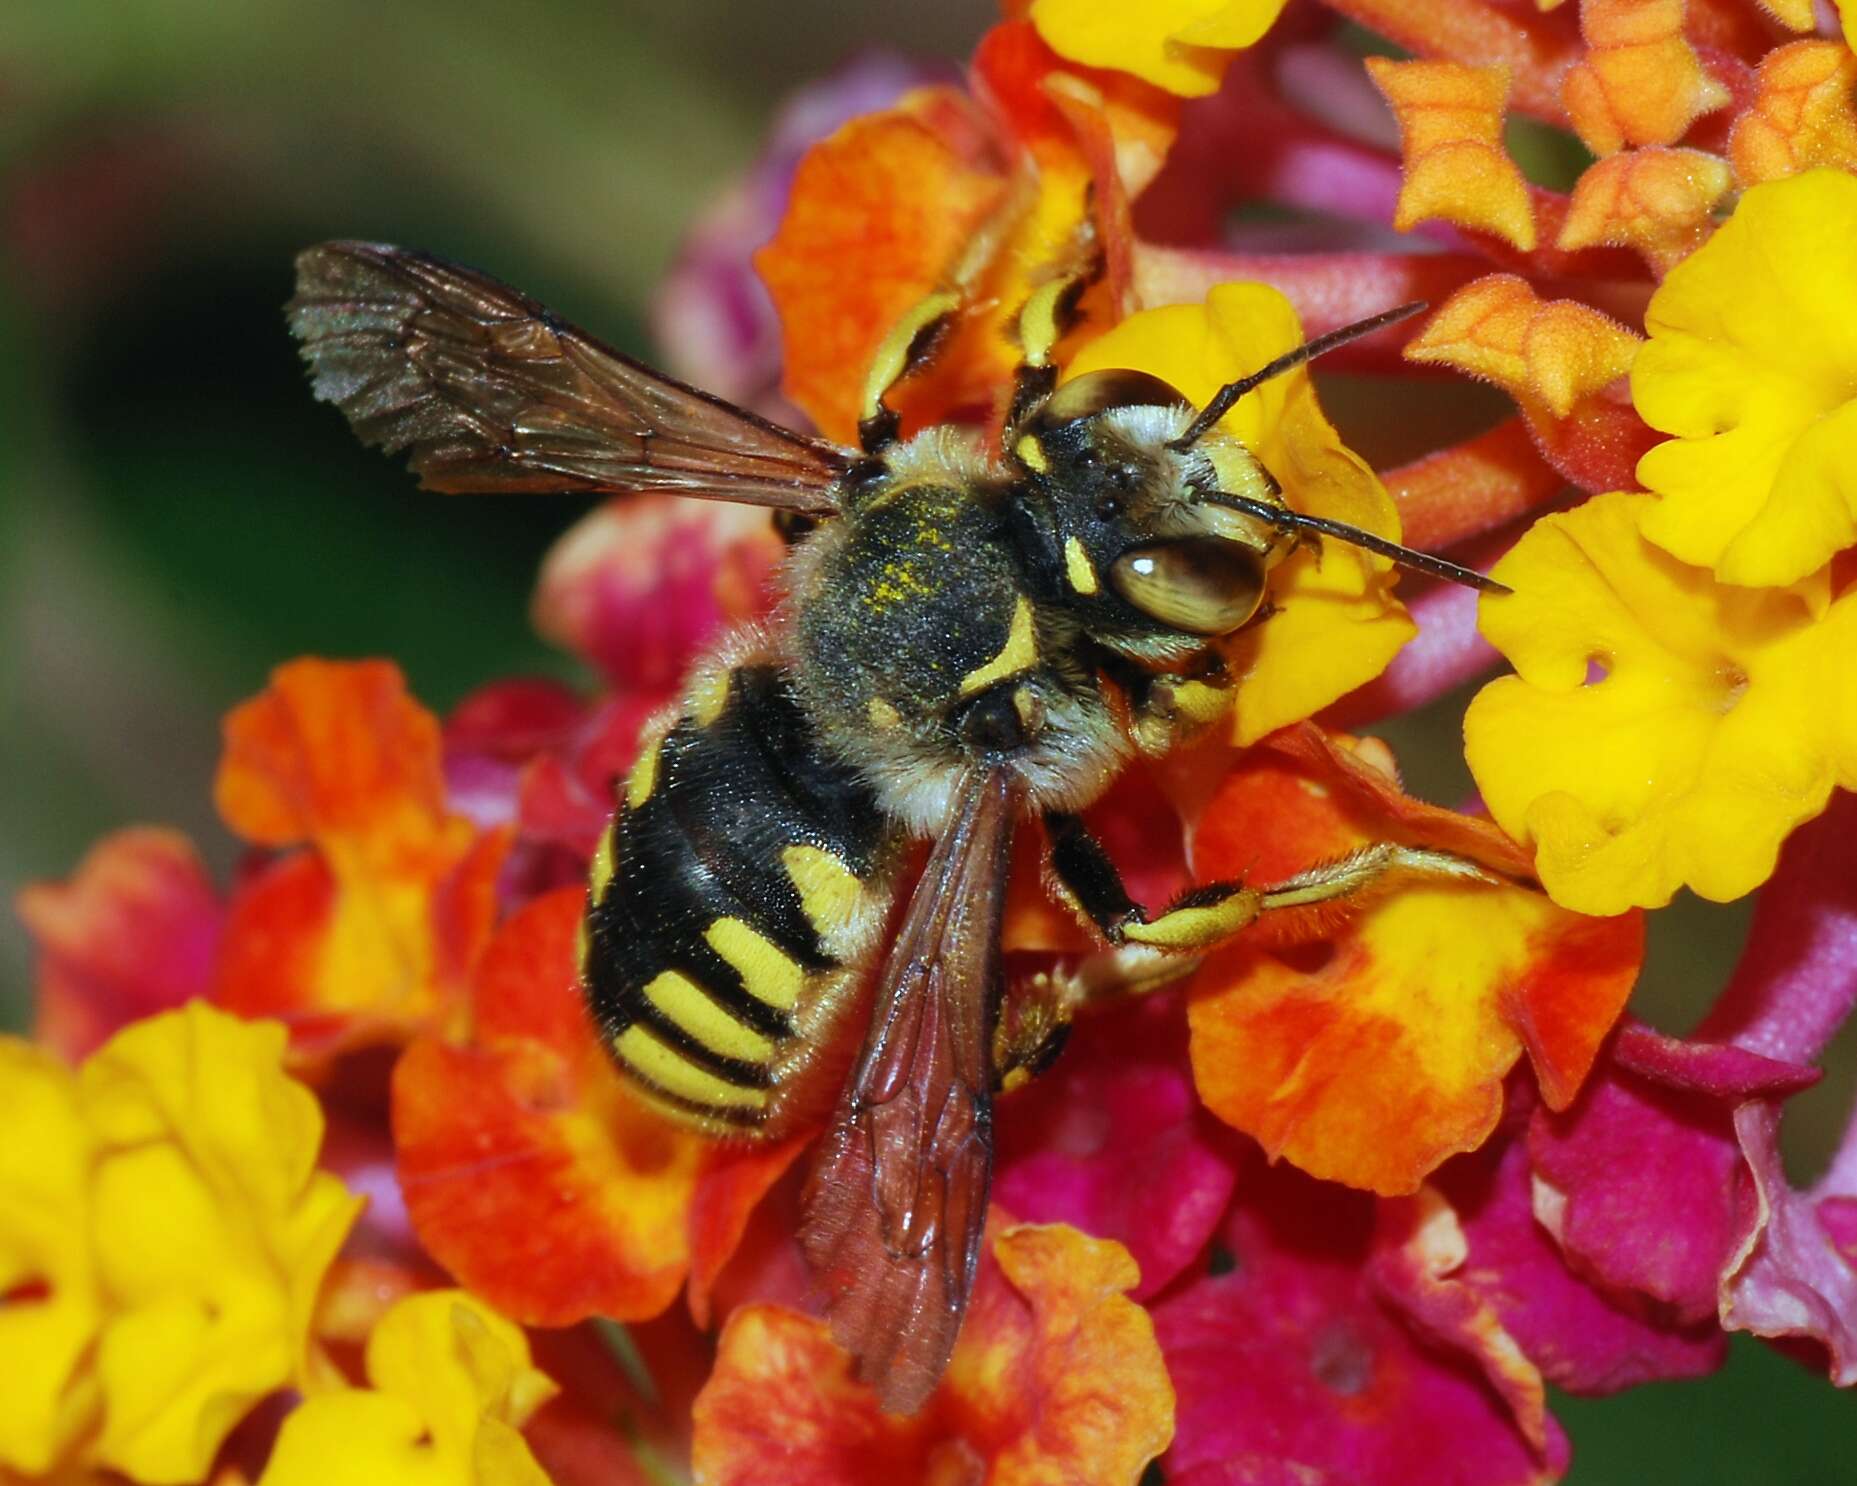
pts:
[910, 343]
[1044, 319]
[1033, 1026]
[1034, 1023]
[1212, 913]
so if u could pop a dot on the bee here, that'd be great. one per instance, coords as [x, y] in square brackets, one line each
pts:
[971, 632]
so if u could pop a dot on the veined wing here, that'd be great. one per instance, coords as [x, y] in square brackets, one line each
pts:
[488, 391]
[897, 1203]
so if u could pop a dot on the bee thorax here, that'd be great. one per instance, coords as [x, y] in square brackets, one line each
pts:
[919, 654]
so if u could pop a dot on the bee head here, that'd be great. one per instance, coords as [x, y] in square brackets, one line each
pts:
[1155, 568]
[1167, 528]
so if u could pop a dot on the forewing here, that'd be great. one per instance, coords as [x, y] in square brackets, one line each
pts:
[897, 1203]
[488, 391]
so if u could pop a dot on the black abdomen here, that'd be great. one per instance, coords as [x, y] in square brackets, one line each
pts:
[732, 901]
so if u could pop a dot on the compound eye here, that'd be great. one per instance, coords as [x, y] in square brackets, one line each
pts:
[1202, 585]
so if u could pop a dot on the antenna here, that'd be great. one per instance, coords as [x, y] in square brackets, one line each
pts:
[1288, 520]
[1226, 396]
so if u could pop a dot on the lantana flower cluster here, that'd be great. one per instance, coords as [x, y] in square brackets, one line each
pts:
[321, 1173]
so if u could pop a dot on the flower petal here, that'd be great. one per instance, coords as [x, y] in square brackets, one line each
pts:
[50, 1310]
[945, 193]
[1456, 168]
[1506, 1277]
[1794, 1272]
[1788, 1279]
[370, 934]
[1056, 1377]
[132, 933]
[1751, 365]
[878, 215]
[451, 1386]
[1707, 737]
[1635, 1184]
[1640, 81]
[643, 584]
[1420, 1244]
[1111, 1140]
[1180, 45]
[711, 315]
[1289, 1369]
[1372, 1053]
[212, 1230]
[529, 1172]
[729, 1188]
[1804, 114]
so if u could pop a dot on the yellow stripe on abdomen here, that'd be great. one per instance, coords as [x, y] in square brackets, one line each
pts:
[830, 892]
[688, 1007]
[670, 1071]
[768, 974]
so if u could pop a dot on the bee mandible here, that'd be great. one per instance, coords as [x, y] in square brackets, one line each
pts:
[971, 632]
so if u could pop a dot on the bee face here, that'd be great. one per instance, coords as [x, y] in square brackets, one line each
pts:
[1152, 569]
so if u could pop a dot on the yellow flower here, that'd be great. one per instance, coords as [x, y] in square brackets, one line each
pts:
[1337, 623]
[1665, 729]
[452, 1388]
[212, 1230]
[51, 1314]
[1752, 365]
[161, 1215]
[1180, 45]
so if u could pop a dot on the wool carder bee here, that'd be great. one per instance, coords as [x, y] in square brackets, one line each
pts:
[972, 631]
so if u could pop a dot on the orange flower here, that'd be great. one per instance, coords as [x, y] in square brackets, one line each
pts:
[1547, 355]
[1640, 81]
[1654, 199]
[533, 1176]
[1804, 114]
[133, 932]
[1372, 1053]
[1562, 363]
[368, 932]
[946, 192]
[1450, 127]
[1056, 1377]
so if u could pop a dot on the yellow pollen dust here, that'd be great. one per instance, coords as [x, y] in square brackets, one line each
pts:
[1020, 652]
[898, 583]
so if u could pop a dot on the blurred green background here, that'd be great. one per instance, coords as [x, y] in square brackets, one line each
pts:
[177, 515]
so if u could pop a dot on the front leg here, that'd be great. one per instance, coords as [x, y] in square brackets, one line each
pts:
[1151, 952]
[910, 343]
[1208, 915]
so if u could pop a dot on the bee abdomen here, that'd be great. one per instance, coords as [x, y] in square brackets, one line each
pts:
[735, 893]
